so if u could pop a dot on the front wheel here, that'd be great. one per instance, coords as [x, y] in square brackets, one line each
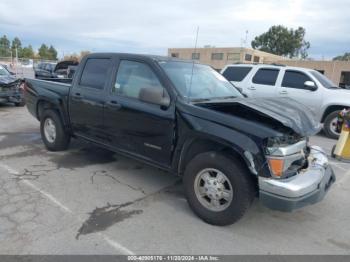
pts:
[219, 190]
[330, 125]
[52, 131]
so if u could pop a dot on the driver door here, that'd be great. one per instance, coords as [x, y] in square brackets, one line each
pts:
[137, 127]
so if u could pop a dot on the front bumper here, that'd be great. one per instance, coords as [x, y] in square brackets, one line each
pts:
[309, 186]
[11, 96]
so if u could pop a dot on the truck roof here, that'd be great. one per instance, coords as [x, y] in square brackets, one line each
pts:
[143, 56]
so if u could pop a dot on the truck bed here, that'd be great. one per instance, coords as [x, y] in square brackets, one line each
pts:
[43, 90]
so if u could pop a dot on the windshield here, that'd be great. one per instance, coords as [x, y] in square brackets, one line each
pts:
[198, 82]
[327, 83]
[3, 71]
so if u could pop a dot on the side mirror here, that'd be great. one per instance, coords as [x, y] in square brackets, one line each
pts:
[155, 96]
[310, 85]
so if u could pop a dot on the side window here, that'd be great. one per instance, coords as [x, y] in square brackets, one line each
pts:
[236, 73]
[266, 76]
[294, 79]
[134, 76]
[96, 72]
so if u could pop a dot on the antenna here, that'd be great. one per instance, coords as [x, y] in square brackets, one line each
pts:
[195, 49]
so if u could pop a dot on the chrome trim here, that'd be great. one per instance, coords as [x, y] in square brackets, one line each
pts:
[305, 182]
[287, 150]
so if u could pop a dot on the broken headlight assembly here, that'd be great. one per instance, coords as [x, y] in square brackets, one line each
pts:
[286, 155]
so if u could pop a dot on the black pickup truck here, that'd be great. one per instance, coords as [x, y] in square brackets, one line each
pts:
[186, 118]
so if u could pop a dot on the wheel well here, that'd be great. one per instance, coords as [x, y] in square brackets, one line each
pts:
[331, 109]
[42, 106]
[201, 146]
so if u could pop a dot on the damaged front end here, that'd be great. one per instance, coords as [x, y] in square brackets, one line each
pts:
[295, 173]
[11, 90]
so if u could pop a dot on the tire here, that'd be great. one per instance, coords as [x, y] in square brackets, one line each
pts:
[55, 139]
[242, 187]
[328, 125]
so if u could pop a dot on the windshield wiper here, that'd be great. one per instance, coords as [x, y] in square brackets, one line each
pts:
[212, 98]
[201, 99]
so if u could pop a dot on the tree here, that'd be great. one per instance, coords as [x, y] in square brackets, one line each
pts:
[28, 52]
[4, 46]
[16, 43]
[52, 53]
[43, 51]
[282, 41]
[344, 57]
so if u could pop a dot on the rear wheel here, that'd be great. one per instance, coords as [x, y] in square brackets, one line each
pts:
[219, 190]
[330, 125]
[52, 131]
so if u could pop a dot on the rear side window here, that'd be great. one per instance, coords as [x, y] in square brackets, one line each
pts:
[266, 76]
[96, 72]
[236, 73]
[294, 79]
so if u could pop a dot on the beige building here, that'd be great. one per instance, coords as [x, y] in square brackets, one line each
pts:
[218, 57]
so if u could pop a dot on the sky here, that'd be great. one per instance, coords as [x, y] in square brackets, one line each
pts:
[141, 26]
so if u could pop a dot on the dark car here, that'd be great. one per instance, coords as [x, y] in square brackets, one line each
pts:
[45, 70]
[54, 70]
[11, 88]
[187, 119]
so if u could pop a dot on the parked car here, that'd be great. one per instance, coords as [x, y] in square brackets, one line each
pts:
[55, 70]
[187, 119]
[44, 70]
[307, 86]
[11, 88]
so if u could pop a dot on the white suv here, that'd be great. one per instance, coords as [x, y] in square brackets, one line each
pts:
[304, 85]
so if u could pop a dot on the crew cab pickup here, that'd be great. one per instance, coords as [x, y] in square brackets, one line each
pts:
[187, 119]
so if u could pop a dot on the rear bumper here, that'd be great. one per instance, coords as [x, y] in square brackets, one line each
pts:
[308, 187]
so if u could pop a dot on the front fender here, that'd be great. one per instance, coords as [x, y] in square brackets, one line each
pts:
[246, 147]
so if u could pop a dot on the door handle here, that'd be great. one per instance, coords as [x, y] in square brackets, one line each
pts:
[252, 88]
[114, 104]
[77, 96]
[283, 92]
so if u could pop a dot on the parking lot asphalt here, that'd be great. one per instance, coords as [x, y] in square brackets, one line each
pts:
[91, 201]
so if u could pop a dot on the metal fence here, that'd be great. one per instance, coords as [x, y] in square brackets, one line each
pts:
[22, 67]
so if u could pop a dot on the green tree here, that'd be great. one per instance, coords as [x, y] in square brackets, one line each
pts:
[47, 53]
[344, 57]
[282, 41]
[28, 52]
[4, 46]
[52, 53]
[16, 43]
[43, 52]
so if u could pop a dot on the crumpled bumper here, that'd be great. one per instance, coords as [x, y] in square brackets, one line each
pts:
[307, 187]
[11, 96]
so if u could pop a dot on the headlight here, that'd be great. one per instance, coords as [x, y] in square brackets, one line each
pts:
[285, 156]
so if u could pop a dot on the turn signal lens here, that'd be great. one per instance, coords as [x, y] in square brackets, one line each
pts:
[276, 166]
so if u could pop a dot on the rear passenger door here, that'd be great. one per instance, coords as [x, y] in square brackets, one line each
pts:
[263, 83]
[140, 128]
[292, 86]
[87, 97]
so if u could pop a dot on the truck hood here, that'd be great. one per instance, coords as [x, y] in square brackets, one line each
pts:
[270, 112]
